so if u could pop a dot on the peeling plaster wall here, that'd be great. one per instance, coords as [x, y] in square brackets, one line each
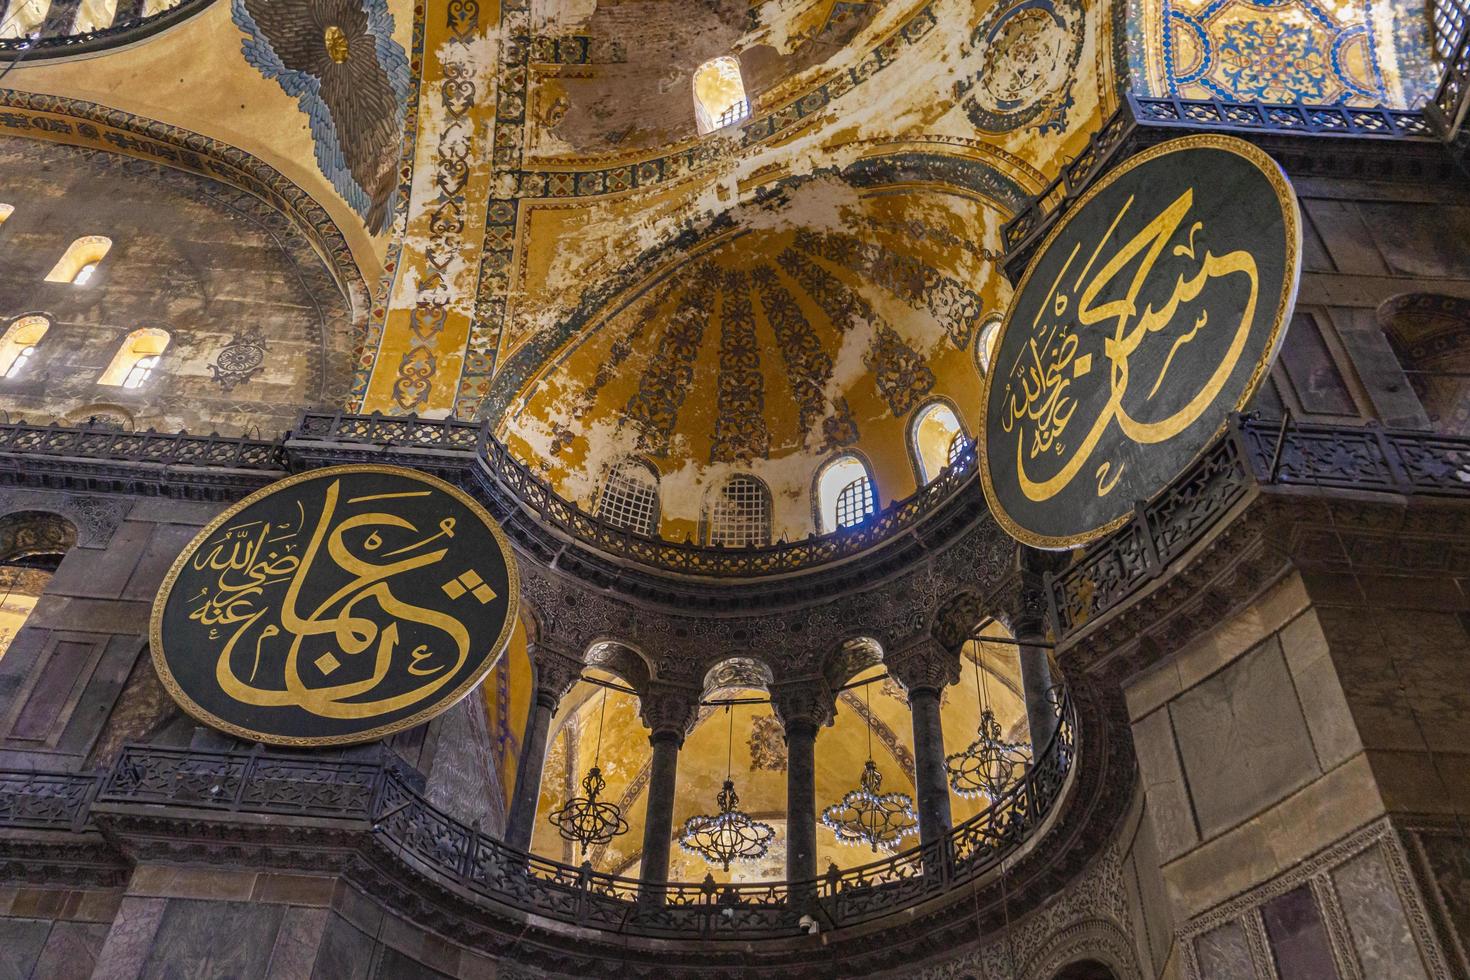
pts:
[258, 329]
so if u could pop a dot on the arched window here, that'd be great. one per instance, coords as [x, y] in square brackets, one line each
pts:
[94, 15]
[135, 361]
[937, 438]
[18, 346]
[629, 497]
[985, 344]
[741, 513]
[24, 18]
[6, 210]
[845, 495]
[719, 94]
[81, 260]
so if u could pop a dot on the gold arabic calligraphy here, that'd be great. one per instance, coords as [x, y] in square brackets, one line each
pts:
[1041, 406]
[360, 624]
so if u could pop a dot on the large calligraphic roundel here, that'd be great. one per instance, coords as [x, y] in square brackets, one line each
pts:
[337, 606]
[1151, 311]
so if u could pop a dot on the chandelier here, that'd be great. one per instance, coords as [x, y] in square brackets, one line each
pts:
[585, 819]
[867, 815]
[730, 835]
[989, 765]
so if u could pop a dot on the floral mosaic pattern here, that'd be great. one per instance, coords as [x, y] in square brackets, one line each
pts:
[1279, 51]
[339, 60]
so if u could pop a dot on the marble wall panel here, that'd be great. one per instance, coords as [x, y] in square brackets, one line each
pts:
[1298, 936]
[1224, 954]
[21, 943]
[72, 950]
[1243, 739]
[1380, 931]
[213, 939]
[346, 953]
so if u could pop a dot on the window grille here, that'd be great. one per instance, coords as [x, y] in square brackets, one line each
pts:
[855, 503]
[630, 498]
[741, 514]
[957, 447]
[140, 372]
[1451, 19]
[734, 113]
[20, 362]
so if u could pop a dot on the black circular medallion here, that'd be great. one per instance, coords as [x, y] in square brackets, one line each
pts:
[337, 606]
[1151, 311]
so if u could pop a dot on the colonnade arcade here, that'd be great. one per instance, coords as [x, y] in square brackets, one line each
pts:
[792, 748]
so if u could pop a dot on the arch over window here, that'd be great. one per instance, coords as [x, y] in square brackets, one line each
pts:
[135, 361]
[985, 343]
[845, 494]
[24, 17]
[81, 260]
[719, 94]
[94, 15]
[629, 497]
[936, 437]
[18, 345]
[740, 514]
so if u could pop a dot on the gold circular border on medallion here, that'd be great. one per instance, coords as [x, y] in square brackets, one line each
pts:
[1291, 220]
[512, 615]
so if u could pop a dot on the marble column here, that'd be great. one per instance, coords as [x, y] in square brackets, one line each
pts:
[924, 667]
[1036, 684]
[669, 713]
[803, 707]
[555, 675]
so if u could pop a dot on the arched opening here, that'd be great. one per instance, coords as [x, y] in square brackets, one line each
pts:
[936, 439]
[719, 94]
[18, 345]
[80, 261]
[32, 544]
[845, 494]
[23, 18]
[94, 15]
[985, 343]
[629, 497]
[740, 514]
[135, 361]
[6, 210]
[1430, 333]
[1086, 970]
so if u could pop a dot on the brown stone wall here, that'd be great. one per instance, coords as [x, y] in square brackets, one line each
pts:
[1363, 245]
[226, 275]
[1282, 765]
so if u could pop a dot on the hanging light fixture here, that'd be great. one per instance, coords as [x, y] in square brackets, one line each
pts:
[730, 835]
[585, 819]
[988, 766]
[867, 815]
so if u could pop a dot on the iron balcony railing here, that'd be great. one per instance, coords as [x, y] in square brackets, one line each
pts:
[164, 448]
[537, 498]
[129, 25]
[382, 796]
[1253, 452]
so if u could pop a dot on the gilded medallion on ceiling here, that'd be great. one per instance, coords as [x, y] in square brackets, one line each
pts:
[1028, 55]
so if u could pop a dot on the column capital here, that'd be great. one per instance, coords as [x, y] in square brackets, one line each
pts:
[808, 702]
[1021, 595]
[668, 709]
[556, 672]
[923, 663]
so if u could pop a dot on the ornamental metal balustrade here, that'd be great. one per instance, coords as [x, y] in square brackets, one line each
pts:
[128, 26]
[382, 798]
[537, 498]
[163, 448]
[1254, 452]
[1451, 100]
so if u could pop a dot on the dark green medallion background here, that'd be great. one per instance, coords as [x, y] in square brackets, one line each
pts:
[1241, 203]
[384, 562]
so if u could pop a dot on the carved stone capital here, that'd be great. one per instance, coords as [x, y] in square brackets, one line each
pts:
[808, 703]
[667, 709]
[923, 663]
[556, 672]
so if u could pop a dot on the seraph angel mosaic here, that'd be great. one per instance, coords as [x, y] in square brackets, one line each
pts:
[339, 60]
